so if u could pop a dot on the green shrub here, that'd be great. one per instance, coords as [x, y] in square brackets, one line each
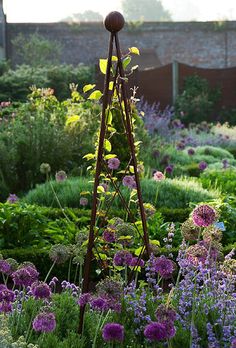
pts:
[197, 100]
[176, 193]
[222, 179]
[15, 84]
[38, 134]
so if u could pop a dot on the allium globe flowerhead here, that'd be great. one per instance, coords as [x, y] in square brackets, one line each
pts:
[233, 343]
[25, 276]
[158, 176]
[6, 294]
[6, 307]
[84, 299]
[12, 198]
[190, 231]
[41, 290]
[44, 322]
[204, 215]
[196, 254]
[113, 332]
[45, 168]
[61, 176]
[129, 181]
[99, 304]
[155, 331]
[169, 169]
[202, 165]
[5, 267]
[59, 253]
[122, 258]
[109, 235]
[191, 152]
[113, 163]
[83, 201]
[165, 314]
[135, 262]
[110, 289]
[164, 266]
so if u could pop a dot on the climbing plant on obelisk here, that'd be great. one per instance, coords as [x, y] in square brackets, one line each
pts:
[113, 179]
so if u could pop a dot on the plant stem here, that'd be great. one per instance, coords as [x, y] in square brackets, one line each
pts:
[50, 270]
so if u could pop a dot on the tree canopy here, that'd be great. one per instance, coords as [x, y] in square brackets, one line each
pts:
[145, 10]
[87, 16]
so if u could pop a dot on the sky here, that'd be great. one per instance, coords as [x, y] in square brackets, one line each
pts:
[55, 10]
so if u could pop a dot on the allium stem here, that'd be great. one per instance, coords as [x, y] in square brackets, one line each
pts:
[58, 201]
[69, 269]
[49, 272]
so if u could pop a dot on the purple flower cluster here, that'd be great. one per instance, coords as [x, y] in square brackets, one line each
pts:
[204, 215]
[25, 276]
[109, 235]
[129, 181]
[163, 266]
[122, 258]
[113, 332]
[44, 322]
[158, 331]
[83, 201]
[5, 267]
[6, 298]
[113, 163]
[12, 198]
[202, 165]
[41, 290]
[61, 176]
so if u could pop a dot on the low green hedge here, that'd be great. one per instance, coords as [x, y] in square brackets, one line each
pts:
[171, 193]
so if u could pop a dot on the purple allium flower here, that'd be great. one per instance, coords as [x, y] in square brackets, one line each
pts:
[202, 165]
[40, 290]
[180, 145]
[110, 289]
[6, 307]
[99, 304]
[25, 276]
[196, 254]
[5, 267]
[84, 299]
[113, 163]
[169, 169]
[122, 258]
[129, 181]
[158, 176]
[12, 198]
[164, 266]
[191, 152]
[61, 176]
[155, 331]
[83, 201]
[6, 294]
[165, 314]
[225, 163]
[135, 261]
[113, 332]
[105, 186]
[109, 235]
[44, 322]
[204, 215]
[233, 343]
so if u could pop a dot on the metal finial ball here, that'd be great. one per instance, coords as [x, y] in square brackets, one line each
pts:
[114, 22]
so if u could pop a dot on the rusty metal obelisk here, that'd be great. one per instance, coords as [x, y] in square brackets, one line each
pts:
[114, 22]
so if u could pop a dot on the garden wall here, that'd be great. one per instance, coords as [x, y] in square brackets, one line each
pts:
[202, 44]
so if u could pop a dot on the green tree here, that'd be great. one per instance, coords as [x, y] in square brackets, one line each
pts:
[87, 16]
[145, 10]
[36, 51]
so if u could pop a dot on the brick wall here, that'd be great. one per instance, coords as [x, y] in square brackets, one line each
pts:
[202, 44]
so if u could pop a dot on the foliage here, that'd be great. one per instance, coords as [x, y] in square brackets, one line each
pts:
[197, 101]
[15, 84]
[148, 11]
[37, 132]
[36, 51]
[176, 193]
[222, 179]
